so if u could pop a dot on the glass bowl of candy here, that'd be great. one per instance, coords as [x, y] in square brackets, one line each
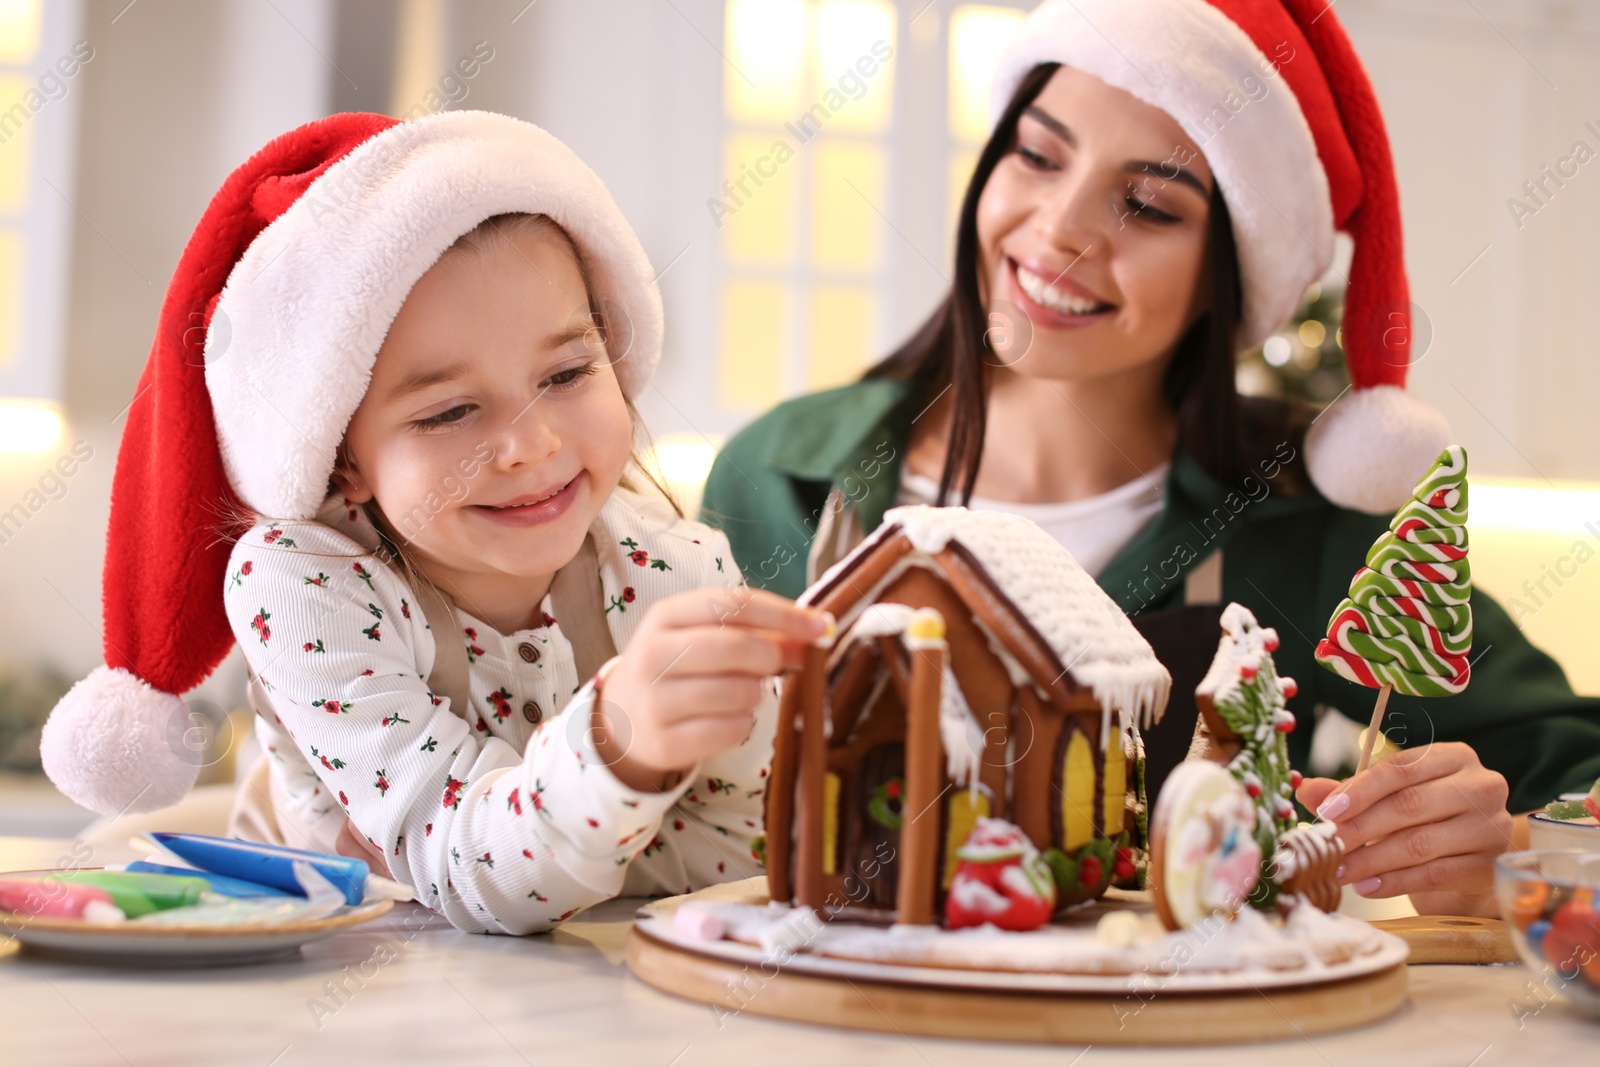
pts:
[1551, 898]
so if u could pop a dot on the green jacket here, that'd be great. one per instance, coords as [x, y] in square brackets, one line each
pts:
[1289, 558]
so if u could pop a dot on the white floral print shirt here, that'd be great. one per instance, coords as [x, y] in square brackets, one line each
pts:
[500, 815]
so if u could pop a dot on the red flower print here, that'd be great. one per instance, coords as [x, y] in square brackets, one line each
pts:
[641, 557]
[390, 720]
[452, 792]
[514, 801]
[313, 646]
[501, 699]
[427, 831]
[593, 822]
[487, 860]
[245, 568]
[271, 535]
[333, 707]
[528, 852]
[361, 572]
[628, 595]
[344, 799]
[405, 609]
[677, 824]
[367, 673]
[549, 619]
[473, 651]
[259, 625]
[382, 784]
[321, 580]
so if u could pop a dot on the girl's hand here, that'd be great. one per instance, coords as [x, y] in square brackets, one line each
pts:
[688, 683]
[1428, 821]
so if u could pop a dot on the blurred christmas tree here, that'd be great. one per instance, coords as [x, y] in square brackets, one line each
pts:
[1305, 359]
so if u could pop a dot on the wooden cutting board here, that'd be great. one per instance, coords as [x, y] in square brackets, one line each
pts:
[1452, 938]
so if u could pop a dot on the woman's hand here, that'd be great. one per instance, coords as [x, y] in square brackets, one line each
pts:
[1428, 821]
[688, 683]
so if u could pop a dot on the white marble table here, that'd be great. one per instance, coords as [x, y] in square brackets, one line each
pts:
[433, 995]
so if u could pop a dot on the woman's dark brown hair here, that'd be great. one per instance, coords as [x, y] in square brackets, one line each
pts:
[950, 348]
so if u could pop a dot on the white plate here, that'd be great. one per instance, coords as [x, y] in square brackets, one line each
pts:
[176, 946]
[655, 921]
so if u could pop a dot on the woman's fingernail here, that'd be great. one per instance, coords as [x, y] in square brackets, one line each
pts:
[1367, 886]
[1338, 876]
[1334, 806]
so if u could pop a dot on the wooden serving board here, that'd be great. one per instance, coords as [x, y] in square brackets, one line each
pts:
[1452, 938]
[1256, 1011]
[1158, 1019]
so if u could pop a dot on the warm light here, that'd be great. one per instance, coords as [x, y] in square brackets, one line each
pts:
[1277, 350]
[766, 47]
[847, 31]
[1313, 333]
[684, 460]
[19, 31]
[1533, 504]
[752, 351]
[848, 191]
[978, 37]
[28, 426]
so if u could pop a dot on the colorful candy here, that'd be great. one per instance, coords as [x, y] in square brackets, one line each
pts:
[1407, 622]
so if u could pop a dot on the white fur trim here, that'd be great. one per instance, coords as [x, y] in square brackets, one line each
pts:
[291, 346]
[114, 744]
[1370, 447]
[1262, 153]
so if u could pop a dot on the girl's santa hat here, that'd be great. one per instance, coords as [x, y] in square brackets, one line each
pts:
[1274, 96]
[263, 350]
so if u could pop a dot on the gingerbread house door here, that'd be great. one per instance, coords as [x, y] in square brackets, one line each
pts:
[871, 859]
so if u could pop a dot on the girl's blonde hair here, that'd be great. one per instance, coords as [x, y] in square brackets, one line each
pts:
[393, 547]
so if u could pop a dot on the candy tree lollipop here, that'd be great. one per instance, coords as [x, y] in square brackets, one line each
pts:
[1407, 623]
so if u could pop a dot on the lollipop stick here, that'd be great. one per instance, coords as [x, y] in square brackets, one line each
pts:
[1374, 729]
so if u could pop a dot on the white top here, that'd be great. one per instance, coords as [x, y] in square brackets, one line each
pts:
[499, 815]
[1093, 529]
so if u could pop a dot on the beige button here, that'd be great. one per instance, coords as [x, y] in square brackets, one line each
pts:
[531, 712]
[528, 652]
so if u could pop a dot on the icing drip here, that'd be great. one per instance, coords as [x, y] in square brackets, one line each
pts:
[1090, 635]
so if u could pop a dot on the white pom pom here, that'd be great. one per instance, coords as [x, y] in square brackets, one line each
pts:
[1370, 447]
[114, 744]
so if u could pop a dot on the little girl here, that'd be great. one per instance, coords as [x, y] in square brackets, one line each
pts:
[406, 353]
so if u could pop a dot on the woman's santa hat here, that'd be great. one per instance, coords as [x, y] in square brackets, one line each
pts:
[1306, 158]
[263, 350]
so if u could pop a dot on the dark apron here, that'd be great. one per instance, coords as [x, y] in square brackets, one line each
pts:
[1185, 640]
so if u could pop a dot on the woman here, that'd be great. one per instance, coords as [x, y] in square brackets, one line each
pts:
[1162, 182]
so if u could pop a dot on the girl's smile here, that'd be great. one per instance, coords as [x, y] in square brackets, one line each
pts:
[532, 509]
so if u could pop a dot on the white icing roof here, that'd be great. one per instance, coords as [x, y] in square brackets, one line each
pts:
[1090, 634]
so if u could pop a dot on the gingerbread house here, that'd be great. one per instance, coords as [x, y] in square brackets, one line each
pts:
[976, 670]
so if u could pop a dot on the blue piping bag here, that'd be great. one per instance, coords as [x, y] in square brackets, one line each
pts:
[220, 883]
[273, 865]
